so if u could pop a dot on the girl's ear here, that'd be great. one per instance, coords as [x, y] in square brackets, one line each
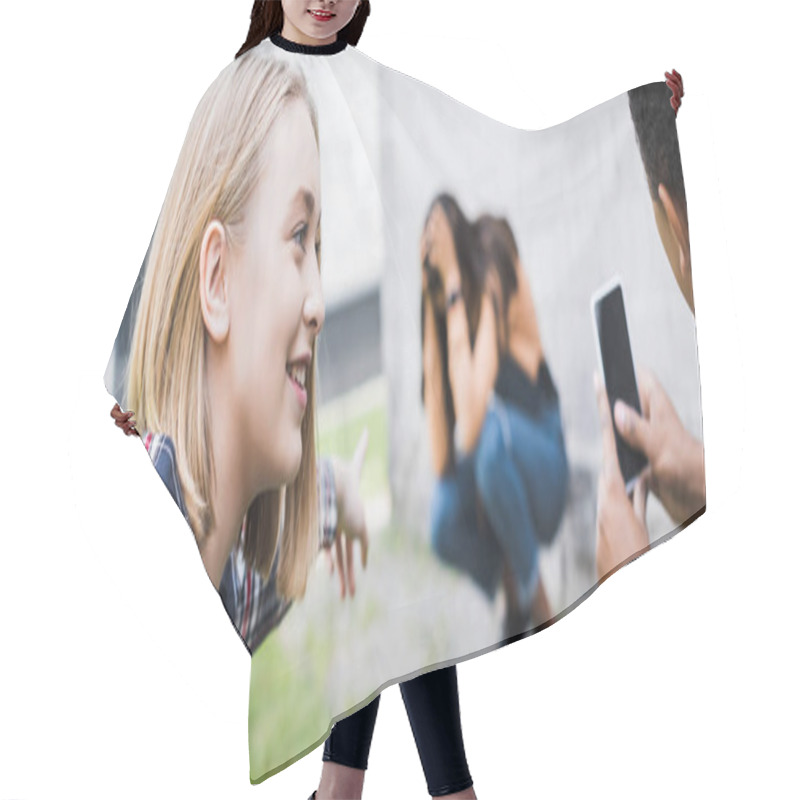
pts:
[679, 231]
[213, 277]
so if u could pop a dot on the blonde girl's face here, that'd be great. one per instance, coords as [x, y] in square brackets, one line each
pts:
[276, 303]
[318, 19]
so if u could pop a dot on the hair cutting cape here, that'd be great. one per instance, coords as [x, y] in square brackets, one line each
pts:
[491, 477]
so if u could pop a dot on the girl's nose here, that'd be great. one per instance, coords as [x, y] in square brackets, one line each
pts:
[314, 310]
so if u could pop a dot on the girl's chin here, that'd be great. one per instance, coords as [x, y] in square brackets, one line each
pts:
[281, 453]
[292, 460]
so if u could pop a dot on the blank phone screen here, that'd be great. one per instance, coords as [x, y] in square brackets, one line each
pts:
[620, 377]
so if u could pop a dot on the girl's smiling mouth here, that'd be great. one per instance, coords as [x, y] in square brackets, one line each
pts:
[297, 371]
[322, 16]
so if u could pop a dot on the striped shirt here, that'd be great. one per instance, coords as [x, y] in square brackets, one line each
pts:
[254, 605]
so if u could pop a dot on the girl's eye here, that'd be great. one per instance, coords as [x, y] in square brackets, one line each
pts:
[301, 232]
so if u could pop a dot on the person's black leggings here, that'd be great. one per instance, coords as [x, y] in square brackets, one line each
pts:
[433, 711]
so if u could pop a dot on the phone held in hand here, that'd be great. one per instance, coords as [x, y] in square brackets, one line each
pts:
[616, 364]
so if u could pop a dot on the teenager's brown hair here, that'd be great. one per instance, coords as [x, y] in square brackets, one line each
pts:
[499, 247]
[473, 265]
[266, 18]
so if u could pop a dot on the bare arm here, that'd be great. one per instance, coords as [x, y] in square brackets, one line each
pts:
[434, 392]
[472, 373]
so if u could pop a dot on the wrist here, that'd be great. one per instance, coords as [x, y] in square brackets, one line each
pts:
[336, 474]
[328, 501]
[428, 362]
[696, 472]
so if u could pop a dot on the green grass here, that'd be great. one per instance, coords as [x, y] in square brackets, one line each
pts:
[280, 715]
[341, 440]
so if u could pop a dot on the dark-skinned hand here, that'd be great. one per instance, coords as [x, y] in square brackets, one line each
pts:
[124, 420]
[675, 82]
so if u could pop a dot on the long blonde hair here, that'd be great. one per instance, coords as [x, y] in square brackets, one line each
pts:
[217, 171]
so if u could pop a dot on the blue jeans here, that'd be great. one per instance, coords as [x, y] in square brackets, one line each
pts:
[520, 473]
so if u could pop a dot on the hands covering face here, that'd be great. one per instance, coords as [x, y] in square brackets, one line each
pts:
[440, 273]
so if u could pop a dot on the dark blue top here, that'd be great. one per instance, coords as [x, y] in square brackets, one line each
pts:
[514, 386]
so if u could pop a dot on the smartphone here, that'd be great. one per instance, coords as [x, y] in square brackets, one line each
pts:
[616, 364]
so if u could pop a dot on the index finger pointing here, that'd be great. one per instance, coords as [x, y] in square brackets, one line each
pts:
[360, 451]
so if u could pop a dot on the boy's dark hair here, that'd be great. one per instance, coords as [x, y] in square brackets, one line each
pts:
[657, 134]
[266, 18]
